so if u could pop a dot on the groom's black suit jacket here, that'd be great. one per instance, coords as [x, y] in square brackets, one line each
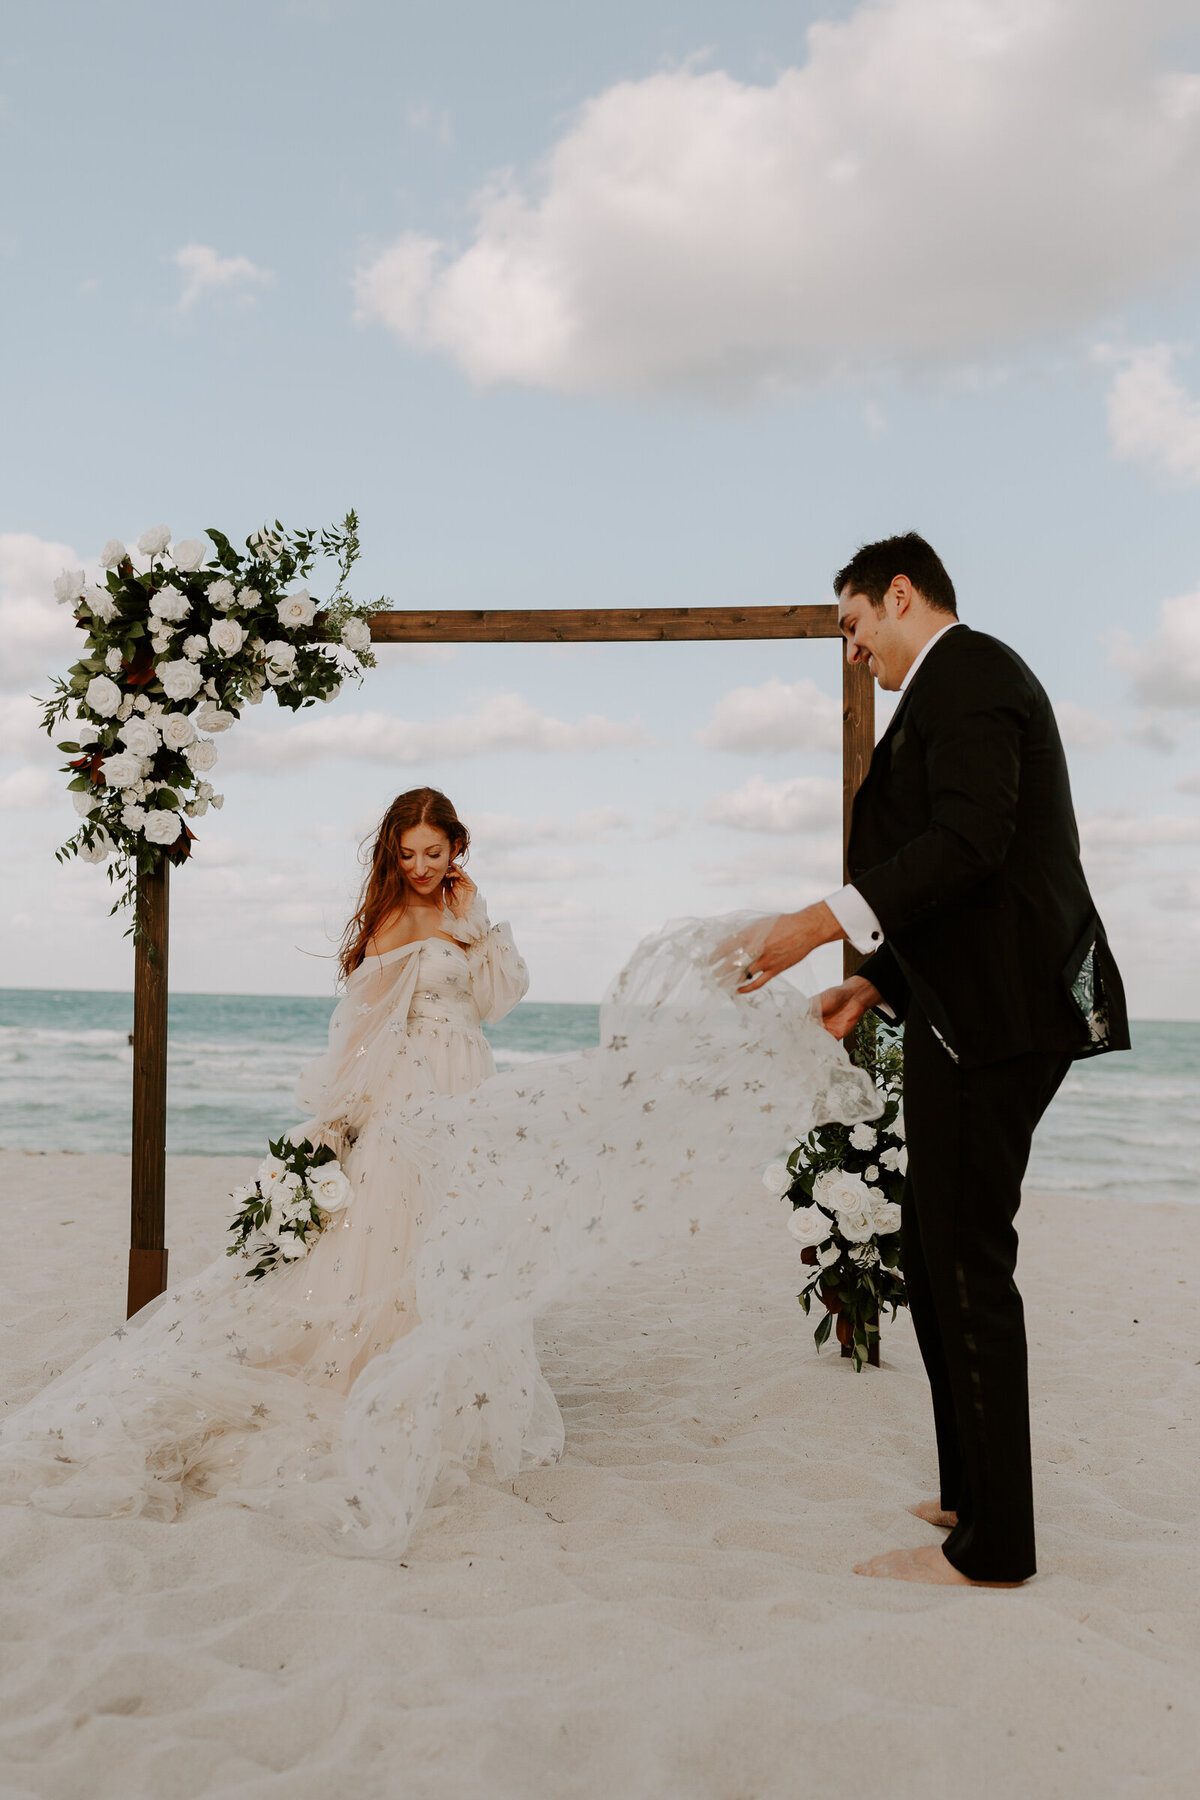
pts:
[964, 844]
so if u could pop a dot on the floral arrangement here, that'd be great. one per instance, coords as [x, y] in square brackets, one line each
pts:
[299, 1191]
[175, 649]
[845, 1183]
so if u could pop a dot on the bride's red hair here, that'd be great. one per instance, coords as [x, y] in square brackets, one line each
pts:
[385, 890]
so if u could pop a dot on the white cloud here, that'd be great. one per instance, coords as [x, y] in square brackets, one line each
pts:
[503, 722]
[1082, 729]
[1152, 419]
[1116, 829]
[1189, 784]
[1165, 670]
[777, 716]
[40, 637]
[205, 271]
[898, 201]
[802, 804]
[509, 829]
[786, 869]
[26, 790]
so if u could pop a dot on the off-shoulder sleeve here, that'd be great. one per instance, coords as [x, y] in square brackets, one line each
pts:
[499, 977]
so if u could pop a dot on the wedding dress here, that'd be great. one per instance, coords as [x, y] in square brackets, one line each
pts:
[348, 1388]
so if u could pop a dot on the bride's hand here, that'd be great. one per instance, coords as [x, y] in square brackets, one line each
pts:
[843, 1006]
[461, 891]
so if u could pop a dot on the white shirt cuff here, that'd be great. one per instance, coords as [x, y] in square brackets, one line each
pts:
[856, 919]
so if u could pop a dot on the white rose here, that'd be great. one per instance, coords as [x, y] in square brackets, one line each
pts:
[103, 696]
[856, 1228]
[356, 634]
[196, 809]
[280, 654]
[133, 818]
[211, 718]
[169, 604]
[126, 707]
[863, 1138]
[216, 800]
[296, 609]
[330, 1187]
[189, 556]
[227, 636]
[828, 1256]
[99, 851]
[254, 693]
[291, 1247]
[220, 594]
[101, 604]
[180, 679]
[123, 770]
[140, 737]
[270, 1170]
[142, 704]
[886, 1218]
[204, 790]
[249, 598]
[113, 660]
[201, 755]
[178, 731]
[890, 1158]
[114, 552]
[154, 541]
[777, 1179]
[162, 827]
[809, 1226]
[902, 1161]
[194, 647]
[84, 804]
[840, 1192]
[70, 587]
[897, 1127]
[872, 1173]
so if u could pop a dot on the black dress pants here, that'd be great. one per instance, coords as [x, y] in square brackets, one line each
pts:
[969, 1133]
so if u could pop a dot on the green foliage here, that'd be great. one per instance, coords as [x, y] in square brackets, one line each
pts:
[857, 1281]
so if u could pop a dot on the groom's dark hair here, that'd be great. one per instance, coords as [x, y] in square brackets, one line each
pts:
[872, 570]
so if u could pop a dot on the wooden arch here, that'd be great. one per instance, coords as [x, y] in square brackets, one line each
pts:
[669, 624]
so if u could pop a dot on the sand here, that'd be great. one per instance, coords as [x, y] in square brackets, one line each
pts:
[671, 1611]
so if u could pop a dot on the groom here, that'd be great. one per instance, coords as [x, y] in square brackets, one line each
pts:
[970, 905]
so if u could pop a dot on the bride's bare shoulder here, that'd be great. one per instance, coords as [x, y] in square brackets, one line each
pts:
[394, 933]
[412, 926]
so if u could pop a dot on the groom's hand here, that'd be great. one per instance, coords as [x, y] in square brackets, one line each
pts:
[791, 938]
[843, 1006]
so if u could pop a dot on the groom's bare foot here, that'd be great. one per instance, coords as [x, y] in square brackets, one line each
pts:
[931, 1512]
[927, 1564]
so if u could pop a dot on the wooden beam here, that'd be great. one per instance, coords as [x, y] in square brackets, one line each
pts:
[148, 1176]
[555, 625]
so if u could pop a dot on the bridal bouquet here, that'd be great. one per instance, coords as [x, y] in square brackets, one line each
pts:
[845, 1183]
[298, 1192]
[175, 649]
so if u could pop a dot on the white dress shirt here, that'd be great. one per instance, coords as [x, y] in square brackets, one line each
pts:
[848, 907]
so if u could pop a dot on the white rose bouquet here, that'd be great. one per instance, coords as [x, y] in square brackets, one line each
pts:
[844, 1183]
[176, 648]
[299, 1191]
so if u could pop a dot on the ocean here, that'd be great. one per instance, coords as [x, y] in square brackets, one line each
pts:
[1126, 1125]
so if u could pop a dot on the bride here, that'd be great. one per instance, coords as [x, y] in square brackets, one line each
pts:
[350, 1386]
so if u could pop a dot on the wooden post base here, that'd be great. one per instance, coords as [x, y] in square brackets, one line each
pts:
[147, 1278]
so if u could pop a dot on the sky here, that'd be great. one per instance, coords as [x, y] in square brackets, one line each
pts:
[606, 305]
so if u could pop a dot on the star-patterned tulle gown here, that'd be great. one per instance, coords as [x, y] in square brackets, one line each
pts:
[348, 1388]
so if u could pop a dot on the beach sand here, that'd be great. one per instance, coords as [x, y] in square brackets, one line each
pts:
[669, 1614]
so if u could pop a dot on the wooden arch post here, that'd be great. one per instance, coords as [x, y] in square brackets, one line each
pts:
[668, 624]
